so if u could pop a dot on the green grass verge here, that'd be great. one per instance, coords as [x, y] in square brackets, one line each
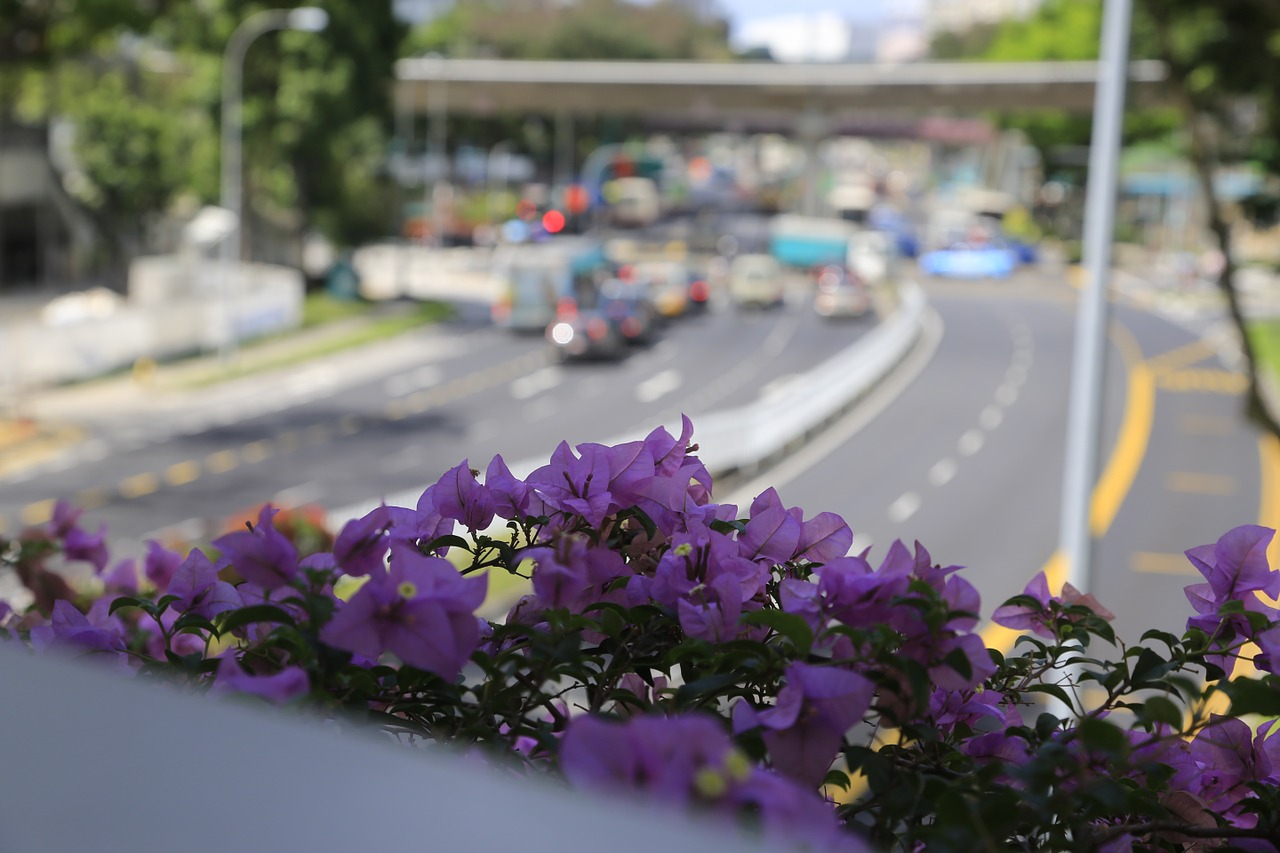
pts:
[1264, 335]
[321, 308]
[366, 333]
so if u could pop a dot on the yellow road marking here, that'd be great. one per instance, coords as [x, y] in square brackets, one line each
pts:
[4, 525]
[349, 424]
[1206, 425]
[181, 473]
[1200, 484]
[139, 485]
[1131, 444]
[1152, 563]
[222, 461]
[90, 498]
[318, 433]
[37, 513]
[1203, 381]
[1182, 356]
[288, 441]
[255, 451]
[395, 410]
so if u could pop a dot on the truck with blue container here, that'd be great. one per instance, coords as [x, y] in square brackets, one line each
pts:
[807, 241]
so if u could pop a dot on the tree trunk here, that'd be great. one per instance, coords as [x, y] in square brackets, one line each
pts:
[1204, 160]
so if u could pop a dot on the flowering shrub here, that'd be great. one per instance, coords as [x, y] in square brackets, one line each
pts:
[686, 652]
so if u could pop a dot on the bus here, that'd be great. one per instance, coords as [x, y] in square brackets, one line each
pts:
[539, 279]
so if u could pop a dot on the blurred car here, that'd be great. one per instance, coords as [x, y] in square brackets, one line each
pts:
[628, 305]
[756, 280]
[968, 260]
[669, 285]
[586, 334]
[873, 256]
[840, 292]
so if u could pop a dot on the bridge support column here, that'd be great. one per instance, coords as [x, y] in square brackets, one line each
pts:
[812, 128]
[562, 172]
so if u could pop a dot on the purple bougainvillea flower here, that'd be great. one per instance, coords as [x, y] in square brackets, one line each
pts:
[159, 564]
[67, 626]
[279, 687]
[815, 709]
[361, 547]
[122, 577]
[823, 538]
[88, 547]
[772, 532]
[512, 498]
[701, 557]
[1023, 617]
[565, 569]
[199, 590]
[653, 757]
[460, 496]
[1237, 563]
[710, 612]
[422, 611]
[791, 813]
[63, 519]
[262, 555]
[576, 484]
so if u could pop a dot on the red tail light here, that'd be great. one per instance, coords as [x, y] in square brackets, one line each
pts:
[699, 292]
[597, 329]
[567, 308]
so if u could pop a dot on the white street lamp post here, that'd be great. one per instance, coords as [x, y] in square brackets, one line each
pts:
[307, 19]
[503, 147]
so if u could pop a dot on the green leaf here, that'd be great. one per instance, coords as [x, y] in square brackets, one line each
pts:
[234, 619]
[959, 661]
[789, 625]
[128, 601]
[1158, 709]
[447, 541]
[704, 688]
[838, 778]
[1102, 736]
[1149, 666]
[1055, 691]
[1253, 696]
[189, 622]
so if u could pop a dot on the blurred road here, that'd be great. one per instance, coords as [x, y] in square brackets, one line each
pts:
[358, 425]
[968, 458]
[961, 449]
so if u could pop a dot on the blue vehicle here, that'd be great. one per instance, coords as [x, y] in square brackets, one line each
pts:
[807, 241]
[968, 260]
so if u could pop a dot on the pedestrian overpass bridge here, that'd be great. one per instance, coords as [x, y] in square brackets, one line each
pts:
[714, 94]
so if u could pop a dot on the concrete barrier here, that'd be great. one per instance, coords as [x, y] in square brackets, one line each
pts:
[744, 438]
[174, 309]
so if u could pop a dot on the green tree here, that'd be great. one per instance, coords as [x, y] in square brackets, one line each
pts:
[1221, 57]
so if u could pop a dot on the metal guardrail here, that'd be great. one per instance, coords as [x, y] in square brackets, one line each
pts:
[744, 438]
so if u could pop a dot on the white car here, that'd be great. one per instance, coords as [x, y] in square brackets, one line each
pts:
[756, 280]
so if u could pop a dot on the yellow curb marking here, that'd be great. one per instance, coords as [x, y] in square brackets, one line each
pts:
[1206, 425]
[255, 451]
[1203, 381]
[37, 513]
[90, 498]
[1183, 356]
[1200, 484]
[181, 473]
[1149, 562]
[222, 461]
[138, 485]
[1131, 443]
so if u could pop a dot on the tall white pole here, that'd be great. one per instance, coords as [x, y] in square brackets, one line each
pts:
[1087, 370]
[307, 19]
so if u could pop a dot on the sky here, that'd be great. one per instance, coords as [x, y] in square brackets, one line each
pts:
[806, 29]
